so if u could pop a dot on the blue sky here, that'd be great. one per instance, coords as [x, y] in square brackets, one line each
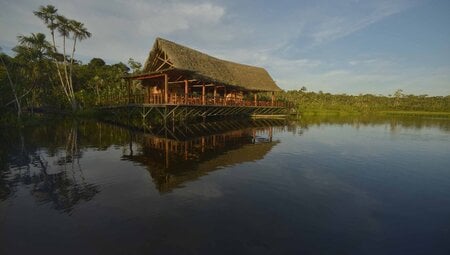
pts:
[346, 46]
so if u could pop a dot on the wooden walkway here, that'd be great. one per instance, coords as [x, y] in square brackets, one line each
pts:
[198, 110]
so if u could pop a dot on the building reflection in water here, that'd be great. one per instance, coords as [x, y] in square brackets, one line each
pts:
[176, 155]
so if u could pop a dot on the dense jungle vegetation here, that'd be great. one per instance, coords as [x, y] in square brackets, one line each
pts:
[43, 73]
[399, 101]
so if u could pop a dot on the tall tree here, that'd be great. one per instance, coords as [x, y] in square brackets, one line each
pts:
[67, 29]
[48, 15]
[64, 31]
[32, 53]
[79, 33]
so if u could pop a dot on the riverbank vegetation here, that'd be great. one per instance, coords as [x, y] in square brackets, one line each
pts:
[398, 103]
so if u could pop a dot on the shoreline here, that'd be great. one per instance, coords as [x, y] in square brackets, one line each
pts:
[385, 113]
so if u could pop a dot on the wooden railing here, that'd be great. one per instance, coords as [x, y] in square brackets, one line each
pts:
[190, 99]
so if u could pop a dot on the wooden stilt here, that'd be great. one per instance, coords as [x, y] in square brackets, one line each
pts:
[203, 94]
[166, 89]
[256, 99]
[166, 148]
[273, 99]
[225, 96]
[186, 91]
[203, 143]
[215, 94]
[270, 134]
[149, 94]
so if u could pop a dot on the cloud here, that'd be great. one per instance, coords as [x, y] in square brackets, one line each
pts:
[120, 29]
[170, 17]
[127, 28]
[348, 19]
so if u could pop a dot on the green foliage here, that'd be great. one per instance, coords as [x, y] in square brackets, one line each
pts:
[95, 83]
[135, 66]
[96, 62]
[316, 102]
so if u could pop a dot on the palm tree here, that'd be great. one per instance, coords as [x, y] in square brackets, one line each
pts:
[33, 52]
[36, 44]
[64, 31]
[48, 14]
[67, 29]
[79, 32]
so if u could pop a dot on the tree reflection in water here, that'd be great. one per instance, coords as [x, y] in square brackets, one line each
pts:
[26, 163]
[45, 160]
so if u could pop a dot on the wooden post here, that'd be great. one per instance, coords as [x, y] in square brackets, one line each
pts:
[203, 94]
[224, 95]
[256, 99]
[270, 134]
[166, 148]
[166, 89]
[203, 143]
[186, 91]
[215, 94]
[273, 99]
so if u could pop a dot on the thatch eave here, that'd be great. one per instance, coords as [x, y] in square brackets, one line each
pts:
[191, 75]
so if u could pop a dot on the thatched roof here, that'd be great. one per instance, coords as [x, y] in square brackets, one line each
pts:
[207, 68]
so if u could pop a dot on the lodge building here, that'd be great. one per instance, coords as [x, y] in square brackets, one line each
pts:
[175, 74]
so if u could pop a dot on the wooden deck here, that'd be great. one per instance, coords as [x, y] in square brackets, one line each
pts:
[183, 112]
[189, 99]
[189, 108]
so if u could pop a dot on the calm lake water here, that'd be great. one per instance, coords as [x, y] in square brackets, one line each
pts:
[318, 186]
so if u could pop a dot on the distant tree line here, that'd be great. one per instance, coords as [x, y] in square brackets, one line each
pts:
[306, 101]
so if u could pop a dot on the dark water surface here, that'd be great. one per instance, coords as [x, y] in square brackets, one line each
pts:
[318, 186]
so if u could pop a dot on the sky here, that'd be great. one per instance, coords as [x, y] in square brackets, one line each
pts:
[345, 46]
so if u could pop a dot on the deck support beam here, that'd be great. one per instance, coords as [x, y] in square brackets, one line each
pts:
[166, 89]
[186, 83]
[225, 96]
[203, 94]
